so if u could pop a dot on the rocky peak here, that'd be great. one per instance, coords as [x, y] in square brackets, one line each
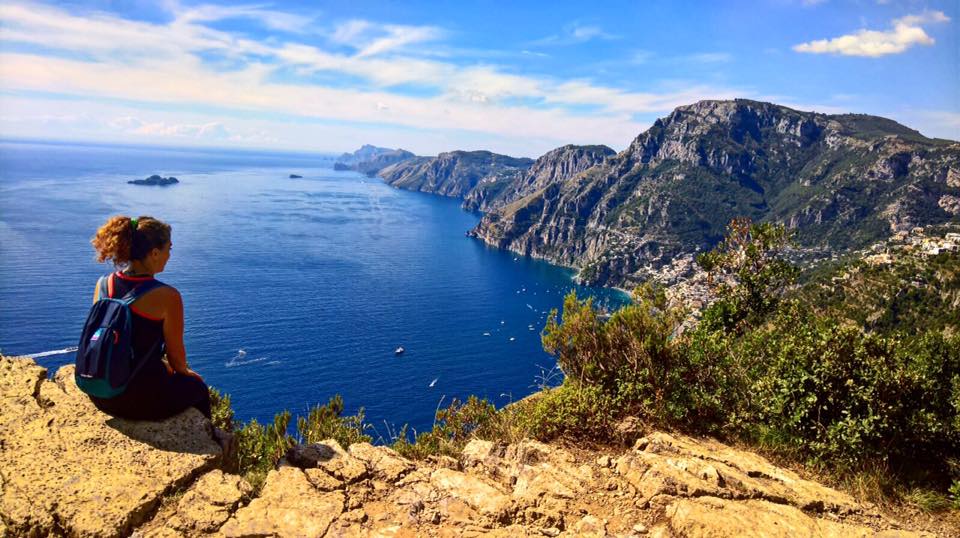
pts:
[565, 162]
[707, 131]
[840, 180]
[555, 166]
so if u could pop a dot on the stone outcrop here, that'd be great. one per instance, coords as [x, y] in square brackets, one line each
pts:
[66, 469]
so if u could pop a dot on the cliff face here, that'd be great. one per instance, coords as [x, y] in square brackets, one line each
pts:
[68, 470]
[454, 173]
[841, 181]
[555, 166]
[371, 159]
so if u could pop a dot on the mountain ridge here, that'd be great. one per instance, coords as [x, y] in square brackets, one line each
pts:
[840, 181]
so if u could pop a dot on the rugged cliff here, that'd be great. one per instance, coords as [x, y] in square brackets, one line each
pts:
[555, 166]
[371, 159]
[842, 181]
[455, 173]
[68, 470]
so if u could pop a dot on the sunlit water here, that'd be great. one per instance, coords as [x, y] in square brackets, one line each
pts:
[294, 289]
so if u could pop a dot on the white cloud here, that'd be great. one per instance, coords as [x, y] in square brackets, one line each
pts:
[369, 39]
[109, 58]
[906, 32]
[575, 33]
[709, 57]
[275, 20]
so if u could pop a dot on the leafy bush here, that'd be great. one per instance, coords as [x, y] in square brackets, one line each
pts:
[840, 395]
[327, 422]
[453, 427]
[748, 273]
[221, 411]
[260, 447]
[761, 368]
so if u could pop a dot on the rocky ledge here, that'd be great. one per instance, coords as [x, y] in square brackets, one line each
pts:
[66, 469]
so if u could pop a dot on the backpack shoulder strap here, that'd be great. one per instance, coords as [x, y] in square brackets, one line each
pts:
[140, 290]
[103, 287]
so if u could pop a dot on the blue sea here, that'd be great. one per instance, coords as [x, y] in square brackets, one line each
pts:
[294, 289]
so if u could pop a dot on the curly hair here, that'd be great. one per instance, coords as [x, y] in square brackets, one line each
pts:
[119, 241]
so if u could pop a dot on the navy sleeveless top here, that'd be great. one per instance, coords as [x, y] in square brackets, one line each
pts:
[147, 331]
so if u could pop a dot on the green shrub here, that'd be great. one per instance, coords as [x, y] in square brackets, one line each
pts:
[260, 447]
[221, 411]
[453, 427]
[840, 395]
[327, 422]
[748, 273]
[760, 368]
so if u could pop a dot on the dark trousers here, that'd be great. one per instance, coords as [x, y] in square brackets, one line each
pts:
[155, 394]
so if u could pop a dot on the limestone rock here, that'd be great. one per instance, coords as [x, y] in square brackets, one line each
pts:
[950, 204]
[288, 506]
[329, 456]
[476, 493]
[674, 465]
[533, 470]
[65, 467]
[710, 517]
[384, 462]
[59, 475]
[202, 509]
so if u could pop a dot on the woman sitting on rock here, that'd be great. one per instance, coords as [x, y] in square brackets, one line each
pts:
[165, 385]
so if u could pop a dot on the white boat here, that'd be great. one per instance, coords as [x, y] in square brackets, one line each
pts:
[399, 350]
[434, 382]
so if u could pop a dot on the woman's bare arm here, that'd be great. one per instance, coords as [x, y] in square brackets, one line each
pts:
[173, 332]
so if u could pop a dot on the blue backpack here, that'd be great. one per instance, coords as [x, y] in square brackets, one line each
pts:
[105, 360]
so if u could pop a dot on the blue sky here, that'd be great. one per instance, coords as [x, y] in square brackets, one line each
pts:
[513, 77]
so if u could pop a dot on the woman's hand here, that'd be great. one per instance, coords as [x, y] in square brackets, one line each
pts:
[190, 372]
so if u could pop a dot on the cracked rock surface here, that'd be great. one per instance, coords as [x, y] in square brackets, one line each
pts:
[67, 468]
[65, 471]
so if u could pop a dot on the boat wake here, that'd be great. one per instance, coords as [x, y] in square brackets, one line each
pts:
[240, 359]
[63, 351]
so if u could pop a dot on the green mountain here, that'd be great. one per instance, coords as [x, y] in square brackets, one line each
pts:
[455, 173]
[840, 181]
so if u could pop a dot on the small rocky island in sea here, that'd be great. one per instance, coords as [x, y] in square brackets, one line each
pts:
[295, 176]
[155, 180]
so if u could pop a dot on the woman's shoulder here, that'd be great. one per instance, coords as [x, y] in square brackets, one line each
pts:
[165, 290]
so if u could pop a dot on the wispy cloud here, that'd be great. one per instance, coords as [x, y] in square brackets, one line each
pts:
[369, 39]
[905, 33]
[709, 57]
[575, 33]
[165, 64]
[275, 20]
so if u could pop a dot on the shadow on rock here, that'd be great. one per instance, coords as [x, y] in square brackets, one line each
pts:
[181, 433]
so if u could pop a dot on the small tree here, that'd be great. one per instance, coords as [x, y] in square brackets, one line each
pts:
[747, 273]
